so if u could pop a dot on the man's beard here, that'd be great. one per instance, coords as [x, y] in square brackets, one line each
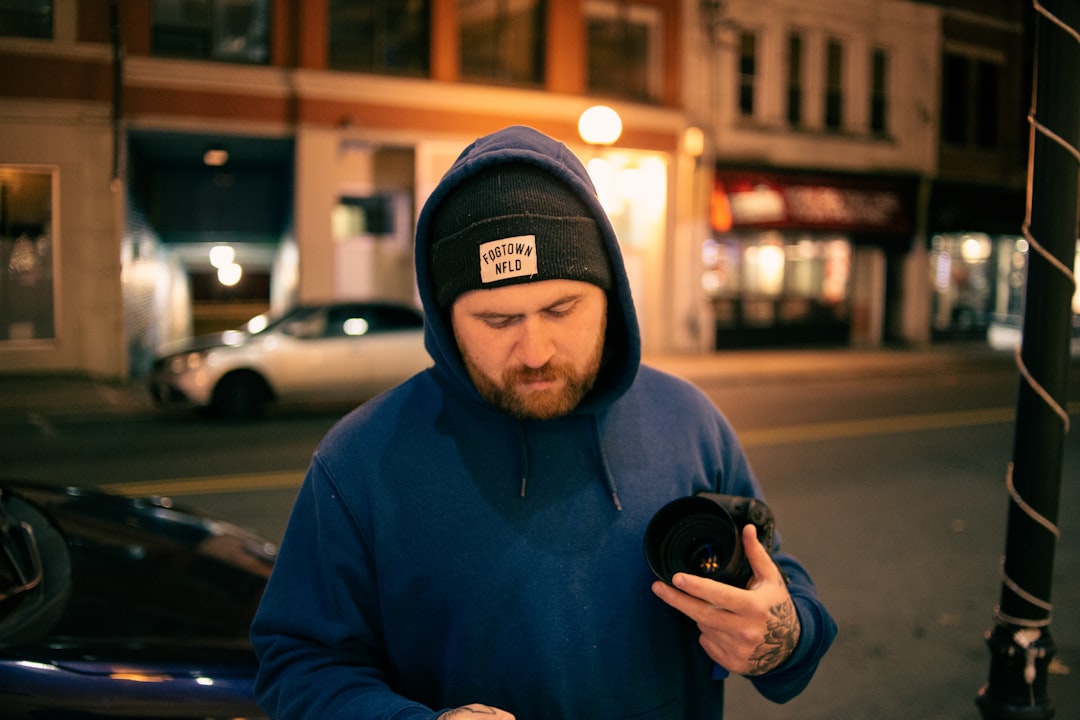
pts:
[541, 405]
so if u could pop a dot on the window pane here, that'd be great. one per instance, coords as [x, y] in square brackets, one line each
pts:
[26, 18]
[987, 83]
[954, 100]
[794, 80]
[834, 85]
[878, 92]
[240, 30]
[747, 69]
[380, 36]
[503, 41]
[624, 49]
[26, 255]
[233, 30]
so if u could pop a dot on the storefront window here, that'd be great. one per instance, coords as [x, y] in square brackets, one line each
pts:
[26, 254]
[764, 263]
[1011, 277]
[1010, 289]
[962, 270]
[776, 287]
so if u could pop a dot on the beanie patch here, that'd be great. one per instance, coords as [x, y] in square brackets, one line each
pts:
[508, 258]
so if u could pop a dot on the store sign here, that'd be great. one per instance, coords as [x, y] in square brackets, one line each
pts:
[770, 201]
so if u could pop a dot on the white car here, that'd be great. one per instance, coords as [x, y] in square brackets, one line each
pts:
[1008, 334]
[319, 352]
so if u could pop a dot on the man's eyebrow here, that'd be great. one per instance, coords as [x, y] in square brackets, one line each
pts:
[569, 297]
[489, 314]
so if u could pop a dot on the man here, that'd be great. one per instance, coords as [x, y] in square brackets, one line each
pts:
[470, 542]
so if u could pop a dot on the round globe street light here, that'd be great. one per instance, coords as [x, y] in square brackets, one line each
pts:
[600, 125]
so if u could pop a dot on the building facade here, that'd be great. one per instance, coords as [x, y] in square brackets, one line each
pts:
[823, 126]
[299, 137]
[977, 251]
[848, 172]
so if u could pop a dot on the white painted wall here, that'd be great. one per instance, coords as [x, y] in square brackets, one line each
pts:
[909, 31]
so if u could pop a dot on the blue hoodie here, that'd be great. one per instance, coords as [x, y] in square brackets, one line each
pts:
[442, 553]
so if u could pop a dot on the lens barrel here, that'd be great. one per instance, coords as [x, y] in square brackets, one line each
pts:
[695, 535]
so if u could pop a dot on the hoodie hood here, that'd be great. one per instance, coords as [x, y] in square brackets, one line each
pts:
[518, 144]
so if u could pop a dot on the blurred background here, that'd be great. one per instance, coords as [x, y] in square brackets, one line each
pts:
[846, 173]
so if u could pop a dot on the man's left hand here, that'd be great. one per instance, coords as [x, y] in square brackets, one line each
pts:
[747, 631]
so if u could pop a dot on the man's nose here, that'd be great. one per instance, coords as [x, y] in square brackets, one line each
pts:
[535, 346]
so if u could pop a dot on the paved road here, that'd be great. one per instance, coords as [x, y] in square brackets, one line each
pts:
[905, 558]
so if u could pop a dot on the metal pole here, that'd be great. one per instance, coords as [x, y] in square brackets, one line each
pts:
[1020, 643]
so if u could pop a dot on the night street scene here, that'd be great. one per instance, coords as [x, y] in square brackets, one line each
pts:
[272, 445]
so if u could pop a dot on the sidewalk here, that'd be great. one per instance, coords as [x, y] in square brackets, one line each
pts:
[25, 395]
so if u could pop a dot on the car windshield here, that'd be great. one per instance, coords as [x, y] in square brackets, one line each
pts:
[268, 321]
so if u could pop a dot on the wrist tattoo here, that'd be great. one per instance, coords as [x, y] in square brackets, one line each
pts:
[781, 636]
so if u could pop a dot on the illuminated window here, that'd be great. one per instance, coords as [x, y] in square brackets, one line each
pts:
[380, 36]
[27, 299]
[503, 41]
[764, 267]
[26, 18]
[229, 30]
[625, 50]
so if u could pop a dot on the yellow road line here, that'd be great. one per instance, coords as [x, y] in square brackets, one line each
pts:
[210, 485]
[783, 435]
[879, 426]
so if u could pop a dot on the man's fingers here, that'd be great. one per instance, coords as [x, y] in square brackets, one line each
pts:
[761, 562]
[698, 597]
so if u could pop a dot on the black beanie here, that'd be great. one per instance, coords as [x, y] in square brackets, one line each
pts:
[513, 223]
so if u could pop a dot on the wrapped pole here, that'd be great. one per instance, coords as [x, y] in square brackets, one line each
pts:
[1020, 643]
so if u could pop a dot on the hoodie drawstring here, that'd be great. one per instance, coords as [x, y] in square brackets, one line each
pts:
[605, 468]
[609, 478]
[523, 442]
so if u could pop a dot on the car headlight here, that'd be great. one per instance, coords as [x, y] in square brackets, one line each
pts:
[185, 362]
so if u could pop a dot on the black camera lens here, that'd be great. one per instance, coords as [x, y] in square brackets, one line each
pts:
[694, 535]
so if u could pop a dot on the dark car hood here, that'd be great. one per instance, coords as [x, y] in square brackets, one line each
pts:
[114, 607]
[117, 569]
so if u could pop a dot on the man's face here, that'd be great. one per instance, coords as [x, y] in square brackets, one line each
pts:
[532, 350]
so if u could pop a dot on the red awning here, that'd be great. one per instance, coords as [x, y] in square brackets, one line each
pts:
[765, 200]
